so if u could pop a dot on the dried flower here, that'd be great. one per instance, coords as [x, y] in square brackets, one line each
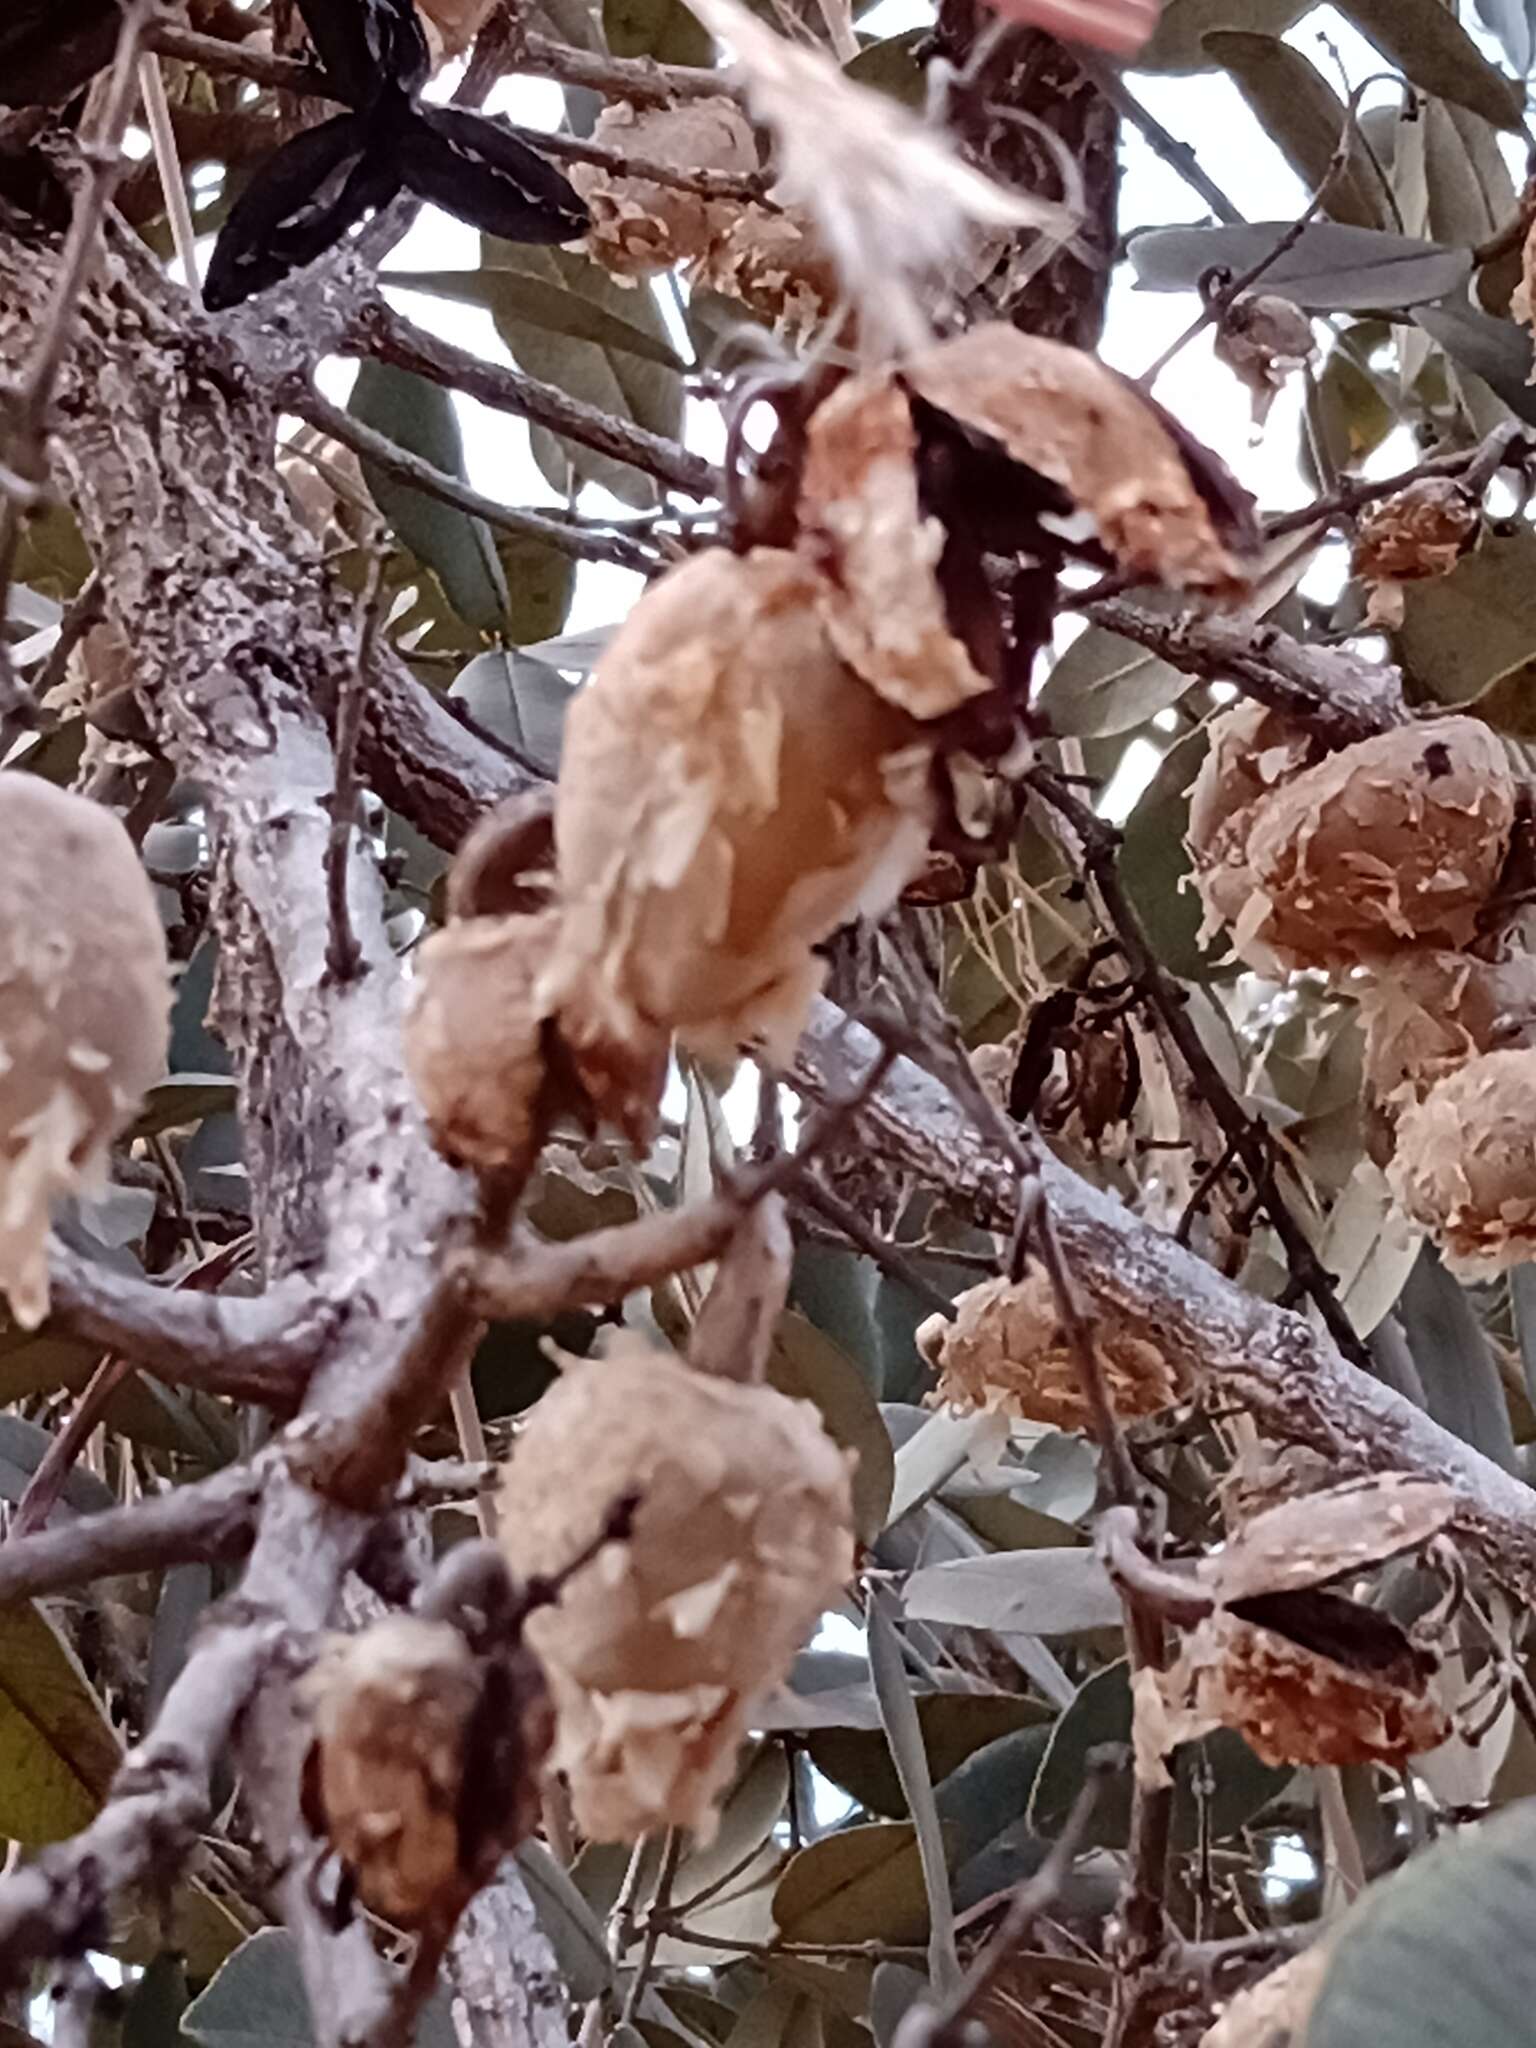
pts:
[1398, 839]
[1263, 340]
[730, 793]
[640, 227]
[1420, 532]
[887, 496]
[84, 1007]
[888, 196]
[1005, 1349]
[425, 1764]
[659, 1652]
[474, 1039]
[1465, 1163]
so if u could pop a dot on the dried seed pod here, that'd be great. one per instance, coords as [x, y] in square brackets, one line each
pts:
[1263, 339]
[474, 1039]
[1006, 1349]
[1064, 435]
[1397, 839]
[729, 794]
[1291, 1704]
[1252, 751]
[1420, 532]
[1465, 1163]
[1265, 1474]
[84, 1007]
[658, 1653]
[1427, 1013]
[774, 264]
[1315, 1538]
[640, 227]
[425, 1764]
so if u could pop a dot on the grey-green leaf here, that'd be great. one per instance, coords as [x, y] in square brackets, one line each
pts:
[1178, 42]
[1496, 350]
[1305, 118]
[522, 701]
[903, 1731]
[1329, 268]
[1430, 47]
[541, 302]
[419, 416]
[1104, 685]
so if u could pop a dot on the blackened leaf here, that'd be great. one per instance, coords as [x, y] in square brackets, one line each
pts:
[368, 47]
[296, 207]
[1329, 268]
[473, 167]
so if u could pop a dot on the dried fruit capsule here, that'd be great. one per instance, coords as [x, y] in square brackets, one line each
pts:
[1427, 1013]
[1465, 1163]
[1006, 1349]
[658, 1652]
[84, 1008]
[640, 227]
[729, 794]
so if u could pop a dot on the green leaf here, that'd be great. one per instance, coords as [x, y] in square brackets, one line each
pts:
[1104, 685]
[989, 1794]
[541, 581]
[1437, 1954]
[568, 1923]
[1178, 42]
[1461, 631]
[1329, 268]
[1462, 1385]
[541, 302]
[1024, 1592]
[956, 1726]
[614, 380]
[1353, 410]
[1101, 1713]
[58, 1751]
[860, 1884]
[806, 1363]
[904, 1734]
[748, 1816]
[1468, 189]
[1305, 118]
[522, 701]
[419, 416]
[1154, 863]
[185, 1593]
[1430, 47]
[183, 1099]
[1496, 350]
[22, 1448]
[895, 66]
[664, 29]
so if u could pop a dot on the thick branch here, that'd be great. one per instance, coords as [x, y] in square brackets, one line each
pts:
[1234, 1344]
[211, 1520]
[252, 1350]
[1337, 695]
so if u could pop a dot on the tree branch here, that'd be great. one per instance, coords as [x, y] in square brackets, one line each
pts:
[212, 1519]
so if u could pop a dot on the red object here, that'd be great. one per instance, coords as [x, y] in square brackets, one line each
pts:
[1120, 26]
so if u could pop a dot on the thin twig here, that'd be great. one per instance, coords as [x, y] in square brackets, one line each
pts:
[583, 543]
[343, 955]
[655, 1926]
[168, 164]
[890, 1258]
[1179, 156]
[41, 1494]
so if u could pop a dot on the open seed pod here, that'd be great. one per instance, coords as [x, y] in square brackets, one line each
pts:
[1005, 1349]
[1305, 1675]
[729, 794]
[1421, 531]
[772, 261]
[640, 227]
[892, 499]
[1427, 1013]
[1397, 840]
[85, 1003]
[424, 1769]
[474, 1039]
[1252, 751]
[1263, 339]
[1465, 1163]
[658, 1653]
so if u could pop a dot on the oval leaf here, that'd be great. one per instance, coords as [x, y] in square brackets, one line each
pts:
[1430, 47]
[58, 1751]
[1329, 268]
[1304, 117]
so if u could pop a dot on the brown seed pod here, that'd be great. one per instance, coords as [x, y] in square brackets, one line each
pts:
[772, 262]
[729, 794]
[1465, 1163]
[1396, 840]
[1291, 1704]
[1006, 1349]
[1421, 531]
[474, 1039]
[425, 1763]
[1252, 751]
[658, 1653]
[1315, 1538]
[639, 227]
[1427, 1013]
[1263, 340]
[85, 1003]
[1079, 438]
